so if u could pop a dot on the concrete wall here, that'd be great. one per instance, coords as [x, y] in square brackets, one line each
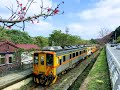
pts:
[114, 69]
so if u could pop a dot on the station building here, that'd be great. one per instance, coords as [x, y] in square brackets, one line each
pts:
[8, 49]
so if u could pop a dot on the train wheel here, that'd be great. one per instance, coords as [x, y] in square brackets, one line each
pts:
[54, 80]
[42, 79]
[48, 82]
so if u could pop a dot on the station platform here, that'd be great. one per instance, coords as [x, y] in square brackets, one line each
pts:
[14, 77]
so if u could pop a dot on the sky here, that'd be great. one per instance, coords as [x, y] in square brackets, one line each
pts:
[84, 18]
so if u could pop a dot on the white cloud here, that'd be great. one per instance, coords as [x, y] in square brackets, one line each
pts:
[108, 3]
[39, 29]
[75, 28]
[103, 10]
[34, 8]
[85, 31]
[100, 13]
[43, 28]
[105, 14]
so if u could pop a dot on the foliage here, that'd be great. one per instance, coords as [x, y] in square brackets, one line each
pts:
[15, 36]
[57, 38]
[116, 33]
[41, 41]
[118, 39]
[93, 41]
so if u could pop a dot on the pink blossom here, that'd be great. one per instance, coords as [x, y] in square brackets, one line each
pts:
[9, 27]
[24, 8]
[19, 12]
[21, 17]
[56, 11]
[21, 4]
[49, 9]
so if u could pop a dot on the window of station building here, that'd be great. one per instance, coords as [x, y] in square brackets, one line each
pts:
[10, 60]
[64, 58]
[76, 53]
[2, 59]
[73, 54]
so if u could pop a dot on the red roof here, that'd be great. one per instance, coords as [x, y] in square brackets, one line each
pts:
[28, 46]
[7, 42]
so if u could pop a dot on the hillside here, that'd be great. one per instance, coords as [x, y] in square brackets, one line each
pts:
[114, 35]
[15, 36]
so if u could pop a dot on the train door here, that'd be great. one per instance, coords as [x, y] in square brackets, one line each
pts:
[42, 62]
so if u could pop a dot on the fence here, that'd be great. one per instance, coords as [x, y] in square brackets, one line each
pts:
[114, 69]
[14, 67]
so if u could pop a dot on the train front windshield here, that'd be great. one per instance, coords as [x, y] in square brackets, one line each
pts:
[49, 59]
[35, 58]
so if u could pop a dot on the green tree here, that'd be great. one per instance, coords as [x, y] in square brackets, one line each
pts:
[57, 38]
[41, 41]
[16, 36]
[93, 41]
[3, 36]
[118, 39]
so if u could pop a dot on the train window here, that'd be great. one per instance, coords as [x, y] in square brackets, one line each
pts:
[49, 59]
[42, 60]
[73, 54]
[60, 61]
[83, 51]
[80, 52]
[76, 53]
[63, 58]
[35, 58]
[70, 56]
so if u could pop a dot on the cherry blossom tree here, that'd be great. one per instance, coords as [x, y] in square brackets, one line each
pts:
[18, 15]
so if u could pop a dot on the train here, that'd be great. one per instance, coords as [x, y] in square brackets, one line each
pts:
[53, 60]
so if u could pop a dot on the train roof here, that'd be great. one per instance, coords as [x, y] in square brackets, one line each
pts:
[68, 51]
[61, 50]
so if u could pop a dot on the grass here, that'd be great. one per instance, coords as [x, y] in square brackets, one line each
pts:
[99, 75]
[76, 85]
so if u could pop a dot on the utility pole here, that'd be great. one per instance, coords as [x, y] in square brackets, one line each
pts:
[115, 36]
[67, 30]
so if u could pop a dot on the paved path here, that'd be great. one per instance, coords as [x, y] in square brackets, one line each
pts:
[14, 77]
[115, 54]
